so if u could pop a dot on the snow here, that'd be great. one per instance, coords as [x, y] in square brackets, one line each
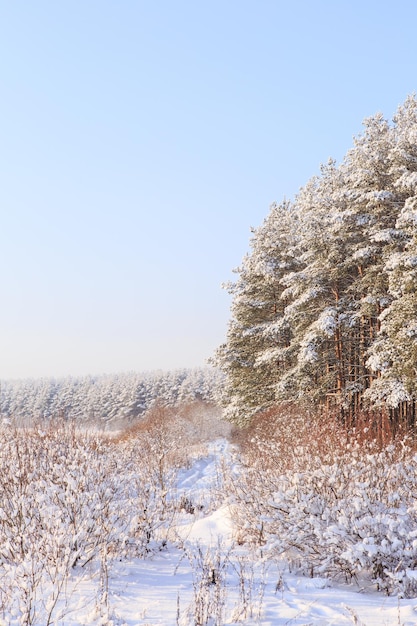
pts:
[327, 322]
[386, 235]
[150, 592]
[165, 589]
[308, 348]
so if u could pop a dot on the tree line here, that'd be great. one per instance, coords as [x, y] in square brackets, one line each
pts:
[107, 399]
[324, 306]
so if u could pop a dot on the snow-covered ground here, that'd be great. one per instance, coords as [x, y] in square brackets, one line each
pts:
[208, 579]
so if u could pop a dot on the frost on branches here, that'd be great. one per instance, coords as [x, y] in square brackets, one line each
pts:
[329, 503]
[73, 502]
[325, 305]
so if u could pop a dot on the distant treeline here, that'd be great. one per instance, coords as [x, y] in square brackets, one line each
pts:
[106, 398]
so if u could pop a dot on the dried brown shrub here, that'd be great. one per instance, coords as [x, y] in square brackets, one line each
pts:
[292, 437]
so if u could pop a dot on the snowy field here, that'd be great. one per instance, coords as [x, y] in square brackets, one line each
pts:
[189, 572]
[163, 590]
[175, 586]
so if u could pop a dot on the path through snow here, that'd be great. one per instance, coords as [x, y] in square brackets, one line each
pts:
[160, 590]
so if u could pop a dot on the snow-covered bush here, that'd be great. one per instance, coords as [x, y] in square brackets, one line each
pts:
[331, 502]
[72, 501]
[58, 510]
[209, 569]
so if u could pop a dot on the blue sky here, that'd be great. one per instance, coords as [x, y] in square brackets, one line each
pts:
[141, 140]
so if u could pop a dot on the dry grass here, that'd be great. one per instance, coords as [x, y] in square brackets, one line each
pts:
[290, 437]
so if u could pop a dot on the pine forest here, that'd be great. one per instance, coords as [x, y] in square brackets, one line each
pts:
[324, 307]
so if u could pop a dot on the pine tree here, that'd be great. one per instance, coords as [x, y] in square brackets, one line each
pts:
[320, 310]
[325, 305]
[257, 350]
[394, 353]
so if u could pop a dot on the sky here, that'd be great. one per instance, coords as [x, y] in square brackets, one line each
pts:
[140, 141]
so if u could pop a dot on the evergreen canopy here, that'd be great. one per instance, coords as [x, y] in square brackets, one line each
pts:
[325, 305]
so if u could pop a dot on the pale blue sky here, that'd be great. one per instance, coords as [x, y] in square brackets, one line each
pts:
[140, 141]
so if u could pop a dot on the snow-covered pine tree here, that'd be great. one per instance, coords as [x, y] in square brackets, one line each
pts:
[330, 313]
[370, 216]
[393, 355]
[257, 351]
[320, 308]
